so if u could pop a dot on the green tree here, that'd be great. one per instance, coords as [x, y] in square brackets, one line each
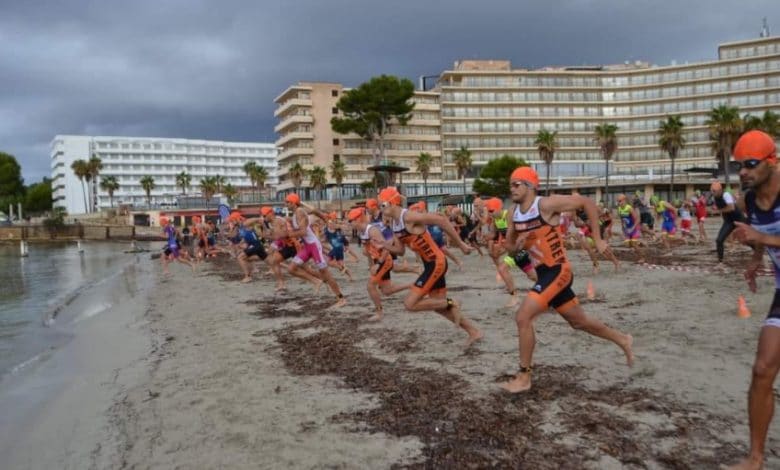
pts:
[606, 138]
[208, 187]
[725, 126]
[338, 171]
[250, 168]
[11, 182]
[297, 173]
[37, 198]
[109, 184]
[318, 180]
[81, 170]
[147, 183]
[94, 165]
[230, 192]
[423, 163]
[671, 140]
[261, 176]
[370, 108]
[220, 181]
[494, 177]
[366, 187]
[546, 145]
[183, 180]
[462, 160]
[769, 122]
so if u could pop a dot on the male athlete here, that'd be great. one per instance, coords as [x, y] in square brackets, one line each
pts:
[430, 290]
[535, 221]
[757, 155]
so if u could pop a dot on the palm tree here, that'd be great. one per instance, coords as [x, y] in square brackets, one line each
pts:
[338, 171]
[95, 164]
[261, 176]
[230, 192]
[424, 162]
[250, 168]
[462, 160]
[546, 144]
[220, 181]
[183, 181]
[725, 126]
[81, 170]
[769, 123]
[670, 138]
[297, 173]
[318, 180]
[606, 138]
[208, 187]
[109, 184]
[147, 182]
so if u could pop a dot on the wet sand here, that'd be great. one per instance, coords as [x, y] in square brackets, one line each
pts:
[240, 377]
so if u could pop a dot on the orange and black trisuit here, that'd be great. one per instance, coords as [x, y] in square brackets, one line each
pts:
[287, 246]
[545, 245]
[379, 256]
[434, 262]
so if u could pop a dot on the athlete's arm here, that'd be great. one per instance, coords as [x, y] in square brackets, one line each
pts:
[556, 204]
[428, 218]
[750, 236]
[394, 246]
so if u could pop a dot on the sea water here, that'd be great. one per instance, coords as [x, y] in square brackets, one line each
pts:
[35, 289]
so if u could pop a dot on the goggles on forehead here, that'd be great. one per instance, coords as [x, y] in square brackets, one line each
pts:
[517, 184]
[749, 163]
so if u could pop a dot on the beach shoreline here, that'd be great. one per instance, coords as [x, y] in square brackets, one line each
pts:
[225, 374]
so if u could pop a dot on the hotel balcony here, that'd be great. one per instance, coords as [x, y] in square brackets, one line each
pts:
[294, 136]
[294, 152]
[293, 119]
[290, 104]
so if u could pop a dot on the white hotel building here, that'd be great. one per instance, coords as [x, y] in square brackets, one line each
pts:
[131, 158]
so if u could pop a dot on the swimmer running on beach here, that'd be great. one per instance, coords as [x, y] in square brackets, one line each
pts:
[172, 247]
[535, 218]
[430, 290]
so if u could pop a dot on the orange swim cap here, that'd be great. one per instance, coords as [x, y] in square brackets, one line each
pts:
[390, 195]
[416, 207]
[163, 220]
[494, 204]
[235, 216]
[293, 199]
[423, 206]
[527, 174]
[756, 145]
[372, 204]
[355, 214]
[266, 210]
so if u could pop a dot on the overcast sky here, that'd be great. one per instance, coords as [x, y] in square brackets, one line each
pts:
[210, 69]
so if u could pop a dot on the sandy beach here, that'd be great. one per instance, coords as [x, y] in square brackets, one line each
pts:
[235, 376]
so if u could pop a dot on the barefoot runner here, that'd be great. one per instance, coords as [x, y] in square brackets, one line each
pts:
[536, 218]
[430, 290]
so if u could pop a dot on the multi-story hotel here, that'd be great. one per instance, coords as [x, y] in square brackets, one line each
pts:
[129, 159]
[493, 109]
[304, 111]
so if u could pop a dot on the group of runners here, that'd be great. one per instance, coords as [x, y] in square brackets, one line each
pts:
[531, 235]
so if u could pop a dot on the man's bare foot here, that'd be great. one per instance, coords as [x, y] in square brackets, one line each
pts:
[521, 383]
[617, 267]
[514, 299]
[473, 338]
[626, 345]
[280, 287]
[339, 303]
[376, 317]
[595, 269]
[246, 279]
[747, 464]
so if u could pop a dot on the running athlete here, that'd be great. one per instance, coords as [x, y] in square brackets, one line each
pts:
[380, 261]
[757, 155]
[630, 221]
[726, 204]
[372, 207]
[669, 224]
[285, 247]
[646, 219]
[701, 215]
[335, 238]
[310, 247]
[497, 247]
[686, 220]
[252, 245]
[535, 218]
[475, 224]
[430, 290]
[172, 247]
[437, 234]
[588, 243]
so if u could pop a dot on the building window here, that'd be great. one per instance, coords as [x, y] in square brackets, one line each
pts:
[336, 157]
[334, 110]
[334, 93]
[335, 141]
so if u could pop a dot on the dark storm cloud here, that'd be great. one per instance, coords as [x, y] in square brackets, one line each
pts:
[202, 69]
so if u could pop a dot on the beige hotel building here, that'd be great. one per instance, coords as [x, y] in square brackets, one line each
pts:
[494, 109]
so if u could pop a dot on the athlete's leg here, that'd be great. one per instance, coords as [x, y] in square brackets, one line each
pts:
[575, 315]
[761, 399]
[452, 313]
[723, 234]
[524, 319]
